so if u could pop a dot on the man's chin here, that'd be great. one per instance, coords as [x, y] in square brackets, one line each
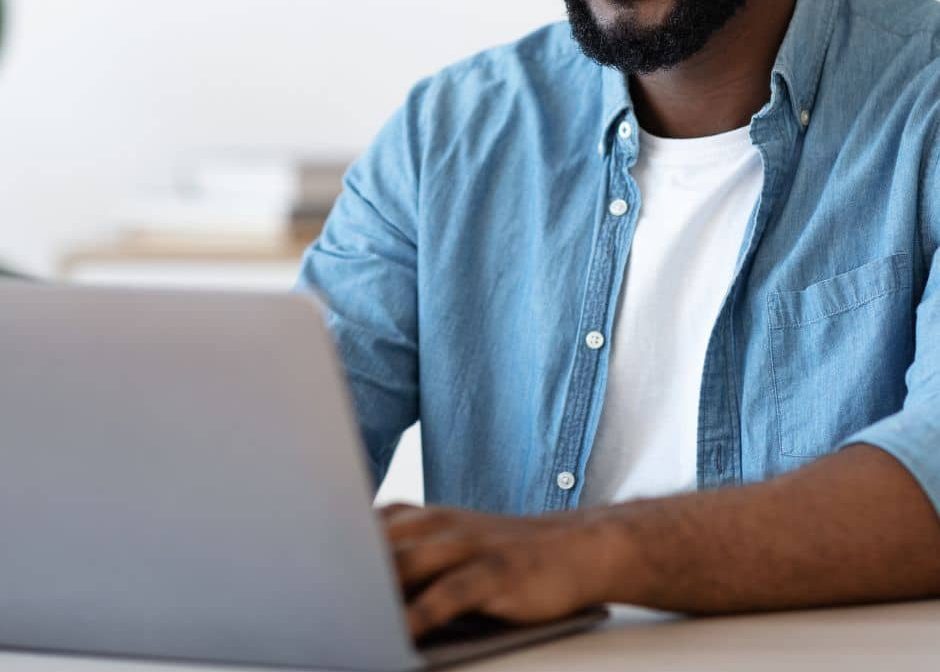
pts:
[641, 36]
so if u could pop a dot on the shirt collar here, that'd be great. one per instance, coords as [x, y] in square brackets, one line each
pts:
[799, 64]
[804, 49]
[616, 93]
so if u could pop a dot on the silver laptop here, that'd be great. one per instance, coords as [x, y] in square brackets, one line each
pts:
[182, 478]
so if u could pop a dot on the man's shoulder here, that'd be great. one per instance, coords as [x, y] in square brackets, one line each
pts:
[477, 95]
[544, 46]
[538, 56]
[885, 59]
[906, 18]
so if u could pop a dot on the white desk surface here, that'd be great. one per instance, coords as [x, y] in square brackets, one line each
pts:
[894, 638]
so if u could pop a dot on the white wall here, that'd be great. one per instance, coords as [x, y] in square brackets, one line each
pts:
[101, 98]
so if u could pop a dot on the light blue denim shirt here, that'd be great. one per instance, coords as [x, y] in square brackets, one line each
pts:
[475, 247]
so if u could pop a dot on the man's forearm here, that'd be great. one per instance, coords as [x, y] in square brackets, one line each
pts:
[851, 528]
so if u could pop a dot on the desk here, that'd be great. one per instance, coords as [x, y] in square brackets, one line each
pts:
[895, 638]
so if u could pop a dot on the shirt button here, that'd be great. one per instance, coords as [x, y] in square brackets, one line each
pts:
[619, 208]
[626, 130]
[595, 340]
[566, 480]
[805, 118]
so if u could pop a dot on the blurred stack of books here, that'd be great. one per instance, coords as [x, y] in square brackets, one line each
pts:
[236, 203]
[225, 221]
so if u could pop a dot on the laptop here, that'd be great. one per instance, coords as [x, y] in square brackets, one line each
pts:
[183, 479]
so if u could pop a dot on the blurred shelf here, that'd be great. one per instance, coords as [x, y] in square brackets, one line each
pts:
[238, 261]
[137, 247]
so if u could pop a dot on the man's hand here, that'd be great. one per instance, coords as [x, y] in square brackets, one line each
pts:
[524, 570]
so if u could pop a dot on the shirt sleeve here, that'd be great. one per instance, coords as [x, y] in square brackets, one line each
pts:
[364, 267]
[912, 435]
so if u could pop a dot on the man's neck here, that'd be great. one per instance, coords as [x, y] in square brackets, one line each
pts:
[724, 85]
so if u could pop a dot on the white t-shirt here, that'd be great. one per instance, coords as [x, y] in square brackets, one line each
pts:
[697, 198]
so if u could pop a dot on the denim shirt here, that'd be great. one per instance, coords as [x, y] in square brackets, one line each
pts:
[475, 247]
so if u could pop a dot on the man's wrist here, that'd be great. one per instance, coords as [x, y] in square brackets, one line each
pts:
[613, 558]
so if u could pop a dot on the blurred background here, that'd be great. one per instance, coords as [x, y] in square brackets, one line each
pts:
[200, 143]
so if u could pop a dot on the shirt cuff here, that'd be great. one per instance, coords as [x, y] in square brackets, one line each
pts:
[913, 438]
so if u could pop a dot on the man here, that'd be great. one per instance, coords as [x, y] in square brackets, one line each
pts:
[672, 283]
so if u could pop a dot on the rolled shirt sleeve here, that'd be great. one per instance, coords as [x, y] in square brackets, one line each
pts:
[912, 435]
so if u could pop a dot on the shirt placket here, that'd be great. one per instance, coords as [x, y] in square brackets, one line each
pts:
[613, 235]
[720, 459]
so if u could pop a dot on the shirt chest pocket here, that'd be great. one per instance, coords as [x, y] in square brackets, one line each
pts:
[833, 347]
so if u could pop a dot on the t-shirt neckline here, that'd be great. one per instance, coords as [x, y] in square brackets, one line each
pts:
[708, 149]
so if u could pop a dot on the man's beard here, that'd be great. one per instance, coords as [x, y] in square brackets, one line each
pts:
[637, 49]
